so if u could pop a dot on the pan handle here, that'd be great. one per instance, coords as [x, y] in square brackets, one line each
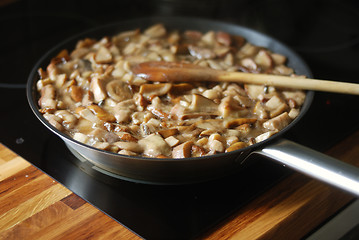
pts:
[314, 164]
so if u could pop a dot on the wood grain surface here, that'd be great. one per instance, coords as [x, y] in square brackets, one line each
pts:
[34, 206]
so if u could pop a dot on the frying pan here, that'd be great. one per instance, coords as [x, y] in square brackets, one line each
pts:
[189, 170]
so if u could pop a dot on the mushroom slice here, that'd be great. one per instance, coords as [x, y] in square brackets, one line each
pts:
[172, 141]
[165, 133]
[154, 145]
[278, 58]
[81, 137]
[129, 146]
[278, 123]
[239, 121]
[103, 136]
[264, 59]
[151, 90]
[282, 70]
[265, 136]
[215, 146]
[202, 104]
[276, 106]
[201, 52]
[54, 121]
[223, 38]
[183, 150]
[118, 90]
[249, 64]
[126, 137]
[103, 55]
[98, 90]
[180, 88]
[47, 99]
[210, 124]
[76, 93]
[236, 146]
[69, 120]
[101, 113]
[231, 108]
[198, 115]
[89, 115]
[260, 111]
[297, 96]
[101, 145]
[254, 91]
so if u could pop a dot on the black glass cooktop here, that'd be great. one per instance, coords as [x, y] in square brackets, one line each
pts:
[328, 39]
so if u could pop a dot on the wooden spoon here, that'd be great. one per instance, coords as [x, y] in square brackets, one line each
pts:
[159, 71]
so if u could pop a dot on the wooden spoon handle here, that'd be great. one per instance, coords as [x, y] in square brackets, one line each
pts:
[184, 72]
[290, 82]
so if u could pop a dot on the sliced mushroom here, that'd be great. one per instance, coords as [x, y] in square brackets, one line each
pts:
[236, 146]
[254, 91]
[231, 108]
[223, 38]
[47, 99]
[154, 145]
[264, 59]
[101, 145]
[297, 96]
[276, 106]
[165, 133]
[68, 119]
[278, 59]
[89, 115]
[123, 110]
[192, 35]
[126, 137]
[209, 38]
[129, 146]
[54, 121]
[81, 137]
[202, 104]
[118, 90]
[293, 113]
[103, 136]
[265, 136]
[98, 89]
[249, 64]
[103, 55]
[198, 115]
[76, 93]
[283, 70]
[172, 141]
[201, 52]
[278, 123]
[260, 111]
[151, 90]
[101, 113]
[213, 93]
[215, 146]
[183, 150]
[181, 88]
[239, 121]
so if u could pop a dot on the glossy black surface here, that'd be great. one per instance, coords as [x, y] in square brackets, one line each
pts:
[324, 33]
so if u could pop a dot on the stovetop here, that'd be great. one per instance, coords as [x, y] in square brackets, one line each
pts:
[327, 38]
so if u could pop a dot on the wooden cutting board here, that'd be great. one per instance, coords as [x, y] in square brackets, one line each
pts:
[34, 206]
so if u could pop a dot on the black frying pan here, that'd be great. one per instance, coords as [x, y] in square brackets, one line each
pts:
[188, 170]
